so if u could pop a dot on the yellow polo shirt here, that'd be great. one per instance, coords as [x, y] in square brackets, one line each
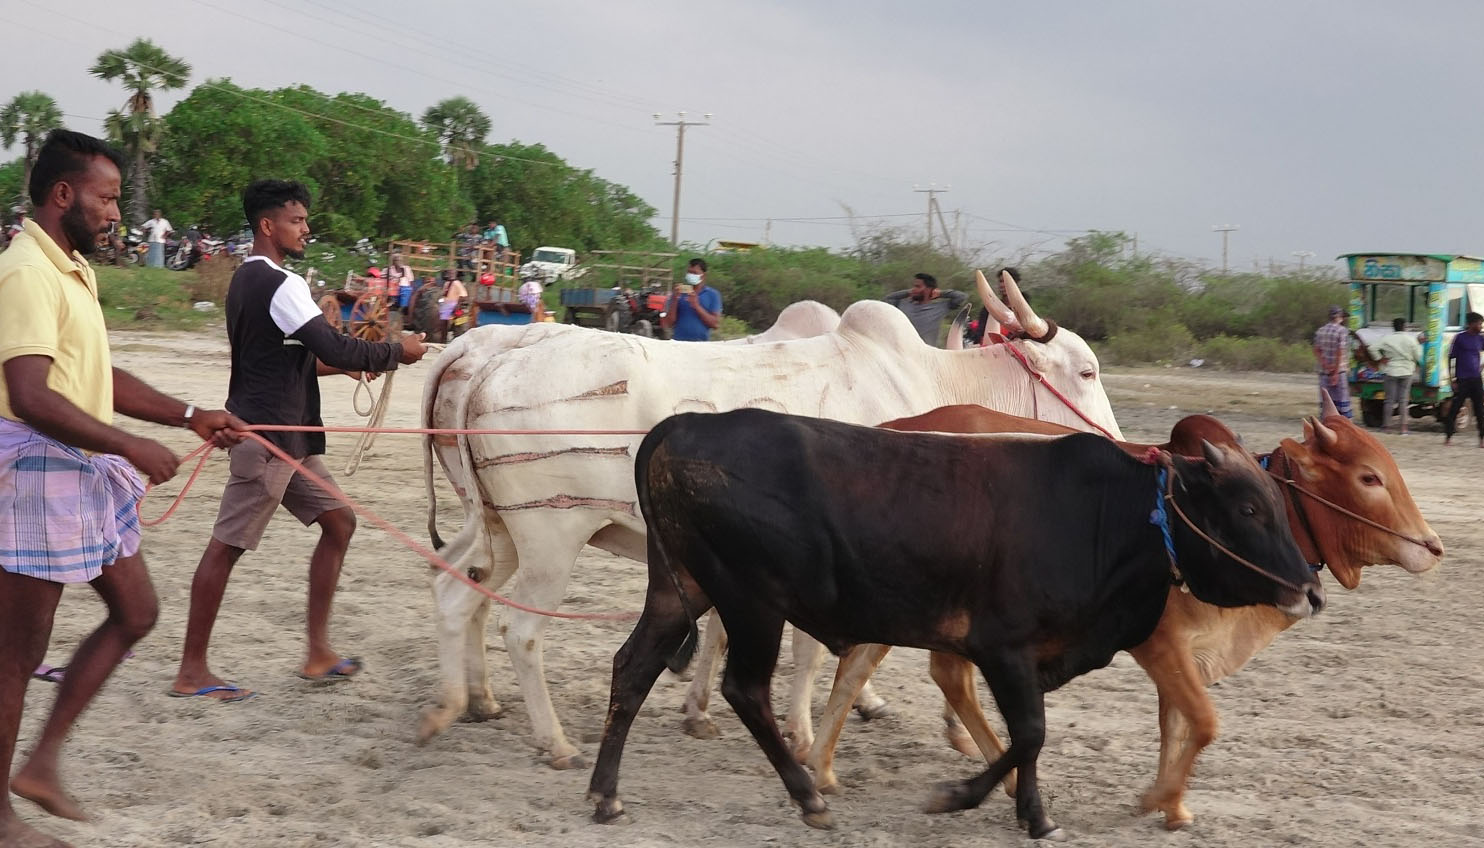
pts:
[49, 307]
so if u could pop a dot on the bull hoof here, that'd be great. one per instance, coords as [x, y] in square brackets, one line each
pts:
[821, 819]
[700, 727]
[831, 788]
[432, 724]
[868, 712]
[1055, 834]
[570, 761]
[950, 798]
[483, 708]
[608, 811]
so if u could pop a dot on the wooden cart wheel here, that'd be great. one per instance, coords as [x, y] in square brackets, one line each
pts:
[368, 318]
[330, 306]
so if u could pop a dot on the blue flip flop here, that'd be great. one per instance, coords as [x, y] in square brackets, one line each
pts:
[341, 671]
[205, 692]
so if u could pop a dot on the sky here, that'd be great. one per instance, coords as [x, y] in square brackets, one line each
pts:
[1315, 127]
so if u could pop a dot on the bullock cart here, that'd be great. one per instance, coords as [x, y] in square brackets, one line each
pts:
[362, 308]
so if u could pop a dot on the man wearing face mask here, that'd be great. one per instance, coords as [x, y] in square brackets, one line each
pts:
[694, 308]
[926, 306]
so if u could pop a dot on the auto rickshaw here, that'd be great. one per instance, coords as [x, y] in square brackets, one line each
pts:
[1433, 292]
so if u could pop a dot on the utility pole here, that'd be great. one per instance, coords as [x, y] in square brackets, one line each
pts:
[1225, 230]
[1302, 255]
[679, 126]
[932, 191]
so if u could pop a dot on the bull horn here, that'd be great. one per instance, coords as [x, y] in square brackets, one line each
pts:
[1327, 437]
[1326, 405]
[956, 333]
[1035, 326]
[999, 311]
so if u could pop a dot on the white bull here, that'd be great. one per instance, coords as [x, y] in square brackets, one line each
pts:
[532, 502]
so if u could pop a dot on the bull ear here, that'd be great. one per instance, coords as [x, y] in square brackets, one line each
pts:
[1301, 456]
[1214, 455]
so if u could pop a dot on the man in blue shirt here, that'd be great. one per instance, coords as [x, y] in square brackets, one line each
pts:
[694, 309]
[1463, 361]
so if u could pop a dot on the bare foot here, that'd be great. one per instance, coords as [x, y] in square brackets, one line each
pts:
[45, 790]
[15, 833]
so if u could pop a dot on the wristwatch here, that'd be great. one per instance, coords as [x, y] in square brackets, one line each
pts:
[190, 411]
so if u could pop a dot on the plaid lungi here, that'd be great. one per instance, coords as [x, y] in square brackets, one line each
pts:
[63, 514]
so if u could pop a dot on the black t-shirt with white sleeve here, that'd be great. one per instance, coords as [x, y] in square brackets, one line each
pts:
[277, 335]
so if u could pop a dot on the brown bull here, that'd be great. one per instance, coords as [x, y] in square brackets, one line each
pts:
[1194, 641]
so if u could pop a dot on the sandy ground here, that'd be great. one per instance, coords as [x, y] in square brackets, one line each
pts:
[1362, 726]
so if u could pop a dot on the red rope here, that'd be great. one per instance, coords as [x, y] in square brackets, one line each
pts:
[1038, 377]
[412, 544]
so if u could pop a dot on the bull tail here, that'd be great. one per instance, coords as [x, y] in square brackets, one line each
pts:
[430, 398]
[658, 557]
[433, 536]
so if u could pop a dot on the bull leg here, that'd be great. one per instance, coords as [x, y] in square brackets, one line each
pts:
[547, 560]
[703, 676]
[751, 659]
[482, 703]
[1188, 723]
[856, 666]
[799, 726]
[1012, 679]
[455, 605]
[955, 676]
[660, 631]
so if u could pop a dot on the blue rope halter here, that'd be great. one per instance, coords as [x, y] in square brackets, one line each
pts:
[1160, 518]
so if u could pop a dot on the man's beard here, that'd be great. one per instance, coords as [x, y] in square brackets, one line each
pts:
[292, 253]
[84, 238]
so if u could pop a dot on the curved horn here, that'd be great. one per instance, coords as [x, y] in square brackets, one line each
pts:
[1326, 405]
[1035, 326]
[1326, 436]
[956, 333]
[999, 311]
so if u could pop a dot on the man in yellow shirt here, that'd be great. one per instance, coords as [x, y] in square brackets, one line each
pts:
[68, 486]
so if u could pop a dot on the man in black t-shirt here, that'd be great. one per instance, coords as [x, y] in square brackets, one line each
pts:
[281, 343]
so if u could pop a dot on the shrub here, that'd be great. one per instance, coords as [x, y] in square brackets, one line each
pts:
[1257, 354]
[1157, 343]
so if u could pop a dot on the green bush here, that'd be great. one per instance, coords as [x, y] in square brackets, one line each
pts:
[1167, 342]
[731, 328]
[1257, 354]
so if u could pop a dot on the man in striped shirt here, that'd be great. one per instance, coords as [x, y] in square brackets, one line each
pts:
[1332, 350]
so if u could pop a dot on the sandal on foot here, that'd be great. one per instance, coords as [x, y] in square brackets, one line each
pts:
[343, 670]
[238, 693]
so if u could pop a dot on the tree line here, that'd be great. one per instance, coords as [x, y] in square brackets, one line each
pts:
[374, 171]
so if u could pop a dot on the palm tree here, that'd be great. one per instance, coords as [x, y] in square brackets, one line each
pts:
[143, 68]
[29, 117]
[461, 127]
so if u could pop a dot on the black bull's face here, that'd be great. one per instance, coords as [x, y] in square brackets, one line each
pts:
[1235, 504]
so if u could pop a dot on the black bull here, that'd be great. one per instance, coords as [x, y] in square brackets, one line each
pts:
[1035, 558]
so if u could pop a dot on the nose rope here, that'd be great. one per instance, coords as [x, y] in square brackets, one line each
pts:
[1293, 486]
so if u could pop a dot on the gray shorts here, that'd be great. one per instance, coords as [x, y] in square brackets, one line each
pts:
[260, 482]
